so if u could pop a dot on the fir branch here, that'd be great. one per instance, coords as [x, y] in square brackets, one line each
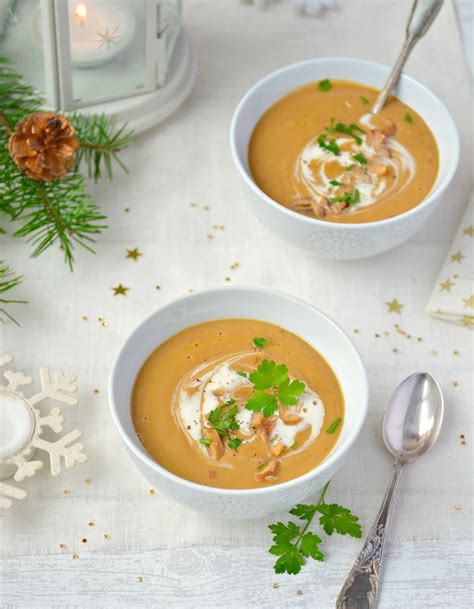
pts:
[17, 98]
[8, 281]
[52, 212]
[101, 140]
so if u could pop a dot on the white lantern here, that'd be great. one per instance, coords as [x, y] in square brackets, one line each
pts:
[125, 57]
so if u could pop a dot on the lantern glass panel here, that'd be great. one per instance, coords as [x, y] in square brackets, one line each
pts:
[28, 42]
[107, 49]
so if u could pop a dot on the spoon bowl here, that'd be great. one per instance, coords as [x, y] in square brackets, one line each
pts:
[413, 417]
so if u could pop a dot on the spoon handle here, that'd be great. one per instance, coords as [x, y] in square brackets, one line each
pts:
[421, 17]
[360, 588]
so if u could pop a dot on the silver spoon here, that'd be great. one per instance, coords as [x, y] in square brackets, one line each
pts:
[421, 17]
[410, 426]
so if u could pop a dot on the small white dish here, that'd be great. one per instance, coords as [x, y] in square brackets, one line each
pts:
[330, 239]
[252, 303]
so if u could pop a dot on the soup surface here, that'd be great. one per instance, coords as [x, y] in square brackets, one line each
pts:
[319, 151]
[237, 403]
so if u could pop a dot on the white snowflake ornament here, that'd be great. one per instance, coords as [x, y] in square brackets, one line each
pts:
[22, 425]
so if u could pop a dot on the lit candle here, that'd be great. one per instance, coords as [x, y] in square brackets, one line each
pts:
[98, 33]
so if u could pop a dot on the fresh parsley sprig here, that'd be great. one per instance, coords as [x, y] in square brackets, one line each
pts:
[293, 543]
[273, 377]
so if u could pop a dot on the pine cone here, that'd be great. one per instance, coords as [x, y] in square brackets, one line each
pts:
[44, 146]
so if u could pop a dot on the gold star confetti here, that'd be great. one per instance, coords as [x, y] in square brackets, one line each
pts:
[88, 480]
[120, 290]
[152, 491]
[299, 592]
[96, 391]
[206, 208]
[469, 302]
[134, 254]
[190, 290]
[275, 586]
[218, 227]
[394, 306]
[85, 318]
[457, 257]
[467, 320]
[157, 287]
[62, 546]
[456, 352]
[192, 205]
[90, 523]
[66, 491]
[395, 350]
[227, 278]
[469, 230]
[139, 579]
[446, 285]
[434, 353]
[234, 266]
[455, 384]
[457, 507]
[210, 236]
[419, 339]
[106, 536]
[84, 540]
[126, 210]
[75, 556]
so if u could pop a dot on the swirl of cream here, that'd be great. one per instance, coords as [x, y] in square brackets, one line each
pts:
[213, 383]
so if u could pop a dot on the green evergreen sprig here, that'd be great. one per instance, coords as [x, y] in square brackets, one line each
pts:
[60, 211]
[8, 281]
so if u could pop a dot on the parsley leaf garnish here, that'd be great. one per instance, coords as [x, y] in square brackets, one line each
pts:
[223, 420]
[288, 393]
[408, 118]
[262, 401]
[360, 158]
[234, 443]
[260, 342]
[325, 85]
[347, 198]
[242, 373]
[332, 428]
[335, 183]
[349, 130]
[329, 145]
[363, 100]
[268, 374]
[293, 543]
[205, 441]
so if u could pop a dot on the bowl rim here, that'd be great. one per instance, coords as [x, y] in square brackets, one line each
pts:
[434, 194]
[333, 456]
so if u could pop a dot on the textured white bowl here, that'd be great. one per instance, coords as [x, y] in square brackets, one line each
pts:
[252, 303]
[328, 239]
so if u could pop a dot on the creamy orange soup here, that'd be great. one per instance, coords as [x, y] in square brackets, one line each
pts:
[237, 403]
[319, 152]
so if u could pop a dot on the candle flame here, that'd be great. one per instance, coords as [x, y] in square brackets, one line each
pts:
[81, 11]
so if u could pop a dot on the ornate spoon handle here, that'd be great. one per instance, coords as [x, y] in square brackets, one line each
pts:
[421, 17]
[360, 588]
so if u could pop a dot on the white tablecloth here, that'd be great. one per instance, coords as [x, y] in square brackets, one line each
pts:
[187, 160]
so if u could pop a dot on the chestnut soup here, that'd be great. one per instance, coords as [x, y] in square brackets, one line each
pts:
[237, 403]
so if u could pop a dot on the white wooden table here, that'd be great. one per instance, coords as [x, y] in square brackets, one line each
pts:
[417, 575]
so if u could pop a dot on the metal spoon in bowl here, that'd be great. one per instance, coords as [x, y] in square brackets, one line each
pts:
[421, 17]
[410, 426]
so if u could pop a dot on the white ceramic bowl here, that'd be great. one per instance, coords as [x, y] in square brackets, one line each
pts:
[252, 303]
[328, 239]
